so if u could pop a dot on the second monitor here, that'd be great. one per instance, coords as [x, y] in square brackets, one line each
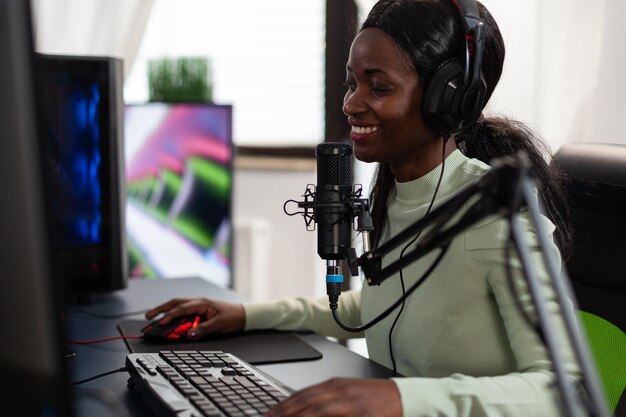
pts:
[179, 189]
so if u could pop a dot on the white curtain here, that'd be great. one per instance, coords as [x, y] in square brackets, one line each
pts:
[598, 38]
[581, 57]
[91, 27]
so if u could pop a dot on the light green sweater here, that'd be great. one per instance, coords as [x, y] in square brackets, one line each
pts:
[461, 342]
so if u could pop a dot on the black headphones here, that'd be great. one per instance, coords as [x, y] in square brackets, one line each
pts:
[454, 96]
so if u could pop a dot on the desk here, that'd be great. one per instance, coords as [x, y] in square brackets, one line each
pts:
[109, 396]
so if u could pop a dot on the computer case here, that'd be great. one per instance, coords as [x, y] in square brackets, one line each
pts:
[81, 110]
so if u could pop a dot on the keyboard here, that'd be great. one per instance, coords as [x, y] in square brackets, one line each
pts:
[202, 384]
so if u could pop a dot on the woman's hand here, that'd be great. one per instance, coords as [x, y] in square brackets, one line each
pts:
[343, 397]
[221, 317]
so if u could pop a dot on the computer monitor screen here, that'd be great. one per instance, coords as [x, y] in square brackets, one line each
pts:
[31, 356]
[179, 188]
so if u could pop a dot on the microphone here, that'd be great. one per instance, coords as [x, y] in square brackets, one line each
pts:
[335, 205]
[332, 215]
[333, 193]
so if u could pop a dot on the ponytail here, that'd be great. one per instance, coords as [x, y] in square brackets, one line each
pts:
[499, 136]
[487, 140]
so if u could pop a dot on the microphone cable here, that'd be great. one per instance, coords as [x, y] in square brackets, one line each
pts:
[417, 284]
[430, 206]
[393, 306]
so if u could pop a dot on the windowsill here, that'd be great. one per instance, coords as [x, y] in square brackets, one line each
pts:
[275, 158]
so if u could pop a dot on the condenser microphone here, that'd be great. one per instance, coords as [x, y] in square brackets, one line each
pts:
[335, 205]
[333, 192]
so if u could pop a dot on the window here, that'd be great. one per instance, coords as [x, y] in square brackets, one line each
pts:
[266, 59]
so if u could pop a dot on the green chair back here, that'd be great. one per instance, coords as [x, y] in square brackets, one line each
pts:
[607, 343]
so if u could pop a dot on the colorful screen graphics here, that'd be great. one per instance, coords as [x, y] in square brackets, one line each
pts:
[179, 187]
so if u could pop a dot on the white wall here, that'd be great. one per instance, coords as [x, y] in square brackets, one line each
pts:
[292, 267]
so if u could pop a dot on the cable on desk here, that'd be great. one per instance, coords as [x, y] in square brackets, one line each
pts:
[123, 369]
[105, 339]
[109, 316]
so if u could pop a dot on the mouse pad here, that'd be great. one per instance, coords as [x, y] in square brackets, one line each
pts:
[255, 347]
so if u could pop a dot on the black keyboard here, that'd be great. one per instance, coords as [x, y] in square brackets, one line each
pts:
[199, 383]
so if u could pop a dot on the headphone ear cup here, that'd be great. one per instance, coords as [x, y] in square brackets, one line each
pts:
[446, 105]
[440, 94]
[472, 102]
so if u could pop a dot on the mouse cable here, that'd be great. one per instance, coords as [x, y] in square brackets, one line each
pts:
[106, 339]
[123, 369]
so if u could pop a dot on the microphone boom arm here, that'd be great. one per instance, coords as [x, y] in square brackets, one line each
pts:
[495, 195]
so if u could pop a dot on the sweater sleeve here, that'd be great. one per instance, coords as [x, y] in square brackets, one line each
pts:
[516, 394]
[528, 391]
[306, 313]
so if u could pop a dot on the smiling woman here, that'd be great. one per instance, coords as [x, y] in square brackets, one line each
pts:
[461, 340]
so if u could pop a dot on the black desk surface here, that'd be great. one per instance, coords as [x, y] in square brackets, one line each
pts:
[109, 396]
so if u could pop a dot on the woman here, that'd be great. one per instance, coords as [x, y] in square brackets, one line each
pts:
[460, 340]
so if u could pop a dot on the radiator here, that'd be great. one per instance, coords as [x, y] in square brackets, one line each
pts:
[252, 243]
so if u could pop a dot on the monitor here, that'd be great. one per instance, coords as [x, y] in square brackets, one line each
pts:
[31, 355]
[179, 186]
[81, 122]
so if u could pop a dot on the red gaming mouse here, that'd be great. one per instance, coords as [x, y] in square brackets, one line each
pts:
[174, 330]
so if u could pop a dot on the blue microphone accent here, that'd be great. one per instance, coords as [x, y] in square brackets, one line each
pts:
[334, 278]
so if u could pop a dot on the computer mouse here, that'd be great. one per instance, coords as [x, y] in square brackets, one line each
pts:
[176, 329]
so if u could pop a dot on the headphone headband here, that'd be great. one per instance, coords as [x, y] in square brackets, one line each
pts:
[454, 95]
[473, 25]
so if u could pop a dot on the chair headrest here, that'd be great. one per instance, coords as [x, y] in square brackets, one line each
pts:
[602, 163]
[596, 189]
